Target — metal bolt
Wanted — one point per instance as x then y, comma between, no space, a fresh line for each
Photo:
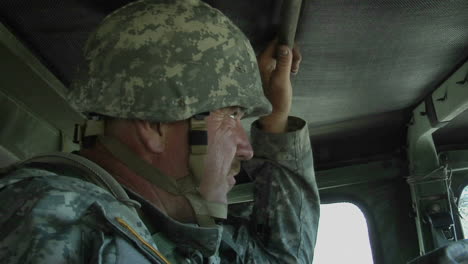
435,208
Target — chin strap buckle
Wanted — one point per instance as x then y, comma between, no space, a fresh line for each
90,128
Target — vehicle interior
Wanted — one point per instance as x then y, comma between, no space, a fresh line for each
383,86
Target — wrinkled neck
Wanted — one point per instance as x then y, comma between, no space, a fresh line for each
177,207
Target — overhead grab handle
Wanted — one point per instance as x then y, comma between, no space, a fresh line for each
290,12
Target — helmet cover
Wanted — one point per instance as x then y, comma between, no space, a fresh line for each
166,61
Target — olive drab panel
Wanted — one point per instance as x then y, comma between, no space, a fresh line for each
34,117
6,157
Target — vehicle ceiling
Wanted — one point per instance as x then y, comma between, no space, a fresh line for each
366,63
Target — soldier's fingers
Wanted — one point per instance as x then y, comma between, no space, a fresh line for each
269,53
270,49
267,62
284,61
297,58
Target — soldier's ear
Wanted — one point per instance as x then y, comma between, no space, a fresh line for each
151,136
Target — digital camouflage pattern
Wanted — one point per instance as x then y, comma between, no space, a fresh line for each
284,221
166,61
50,218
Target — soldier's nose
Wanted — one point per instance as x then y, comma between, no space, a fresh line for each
244,149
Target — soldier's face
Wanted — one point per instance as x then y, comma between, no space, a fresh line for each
228,144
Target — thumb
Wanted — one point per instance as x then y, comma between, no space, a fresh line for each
283,59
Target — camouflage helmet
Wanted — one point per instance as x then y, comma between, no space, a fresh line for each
166,60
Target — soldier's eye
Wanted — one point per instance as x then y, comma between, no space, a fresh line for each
234,115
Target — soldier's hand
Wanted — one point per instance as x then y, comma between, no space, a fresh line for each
276,64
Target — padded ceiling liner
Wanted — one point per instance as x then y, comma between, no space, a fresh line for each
364,61
368,57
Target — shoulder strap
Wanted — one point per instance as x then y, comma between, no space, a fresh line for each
93,173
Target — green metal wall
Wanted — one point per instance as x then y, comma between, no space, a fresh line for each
34,117
382,193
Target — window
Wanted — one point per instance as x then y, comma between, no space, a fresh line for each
463,208
342,235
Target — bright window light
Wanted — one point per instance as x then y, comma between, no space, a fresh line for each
463,207
342,235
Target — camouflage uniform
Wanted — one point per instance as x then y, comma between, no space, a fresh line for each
47,215
165,61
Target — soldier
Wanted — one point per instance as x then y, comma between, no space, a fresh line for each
165,85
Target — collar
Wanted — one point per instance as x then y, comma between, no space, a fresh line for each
186,236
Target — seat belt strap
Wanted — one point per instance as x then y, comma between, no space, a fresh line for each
93,173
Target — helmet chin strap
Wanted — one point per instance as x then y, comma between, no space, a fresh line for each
205,211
